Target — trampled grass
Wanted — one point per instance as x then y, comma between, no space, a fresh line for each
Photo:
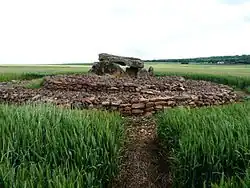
206,143
44,146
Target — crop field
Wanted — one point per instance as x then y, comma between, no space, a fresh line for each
43,68
44,146
15,72
47,146
208,143
232,70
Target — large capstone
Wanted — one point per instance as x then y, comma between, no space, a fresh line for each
124,61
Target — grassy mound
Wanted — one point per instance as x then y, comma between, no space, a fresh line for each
43,146
207,144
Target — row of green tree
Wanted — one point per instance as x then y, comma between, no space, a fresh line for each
237,59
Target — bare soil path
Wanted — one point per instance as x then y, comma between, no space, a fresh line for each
142,162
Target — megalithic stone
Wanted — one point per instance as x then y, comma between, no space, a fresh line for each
103,67
121,60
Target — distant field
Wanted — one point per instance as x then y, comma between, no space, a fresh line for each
232,70
43,68
27,72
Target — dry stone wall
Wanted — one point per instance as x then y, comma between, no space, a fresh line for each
141,96
130,96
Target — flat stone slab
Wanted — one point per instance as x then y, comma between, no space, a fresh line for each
121,60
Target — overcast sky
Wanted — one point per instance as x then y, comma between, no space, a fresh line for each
65,31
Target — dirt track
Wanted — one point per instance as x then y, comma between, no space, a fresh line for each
143,165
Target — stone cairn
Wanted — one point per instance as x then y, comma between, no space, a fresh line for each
110,64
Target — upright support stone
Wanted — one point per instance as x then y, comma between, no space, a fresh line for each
151,71
143,73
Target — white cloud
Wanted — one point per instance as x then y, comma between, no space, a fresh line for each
57,31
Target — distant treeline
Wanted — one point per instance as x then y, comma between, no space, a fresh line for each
238,59
78,63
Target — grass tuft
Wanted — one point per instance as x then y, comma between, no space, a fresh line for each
35,83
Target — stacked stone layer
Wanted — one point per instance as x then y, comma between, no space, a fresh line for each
130,96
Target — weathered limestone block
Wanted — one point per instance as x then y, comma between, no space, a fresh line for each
137,111
156,99
143,100
149,109
143,73
105,103
125,105
124,61
151,71
138,105
104,67
158,107
116,103
161,103
127,108
150,104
